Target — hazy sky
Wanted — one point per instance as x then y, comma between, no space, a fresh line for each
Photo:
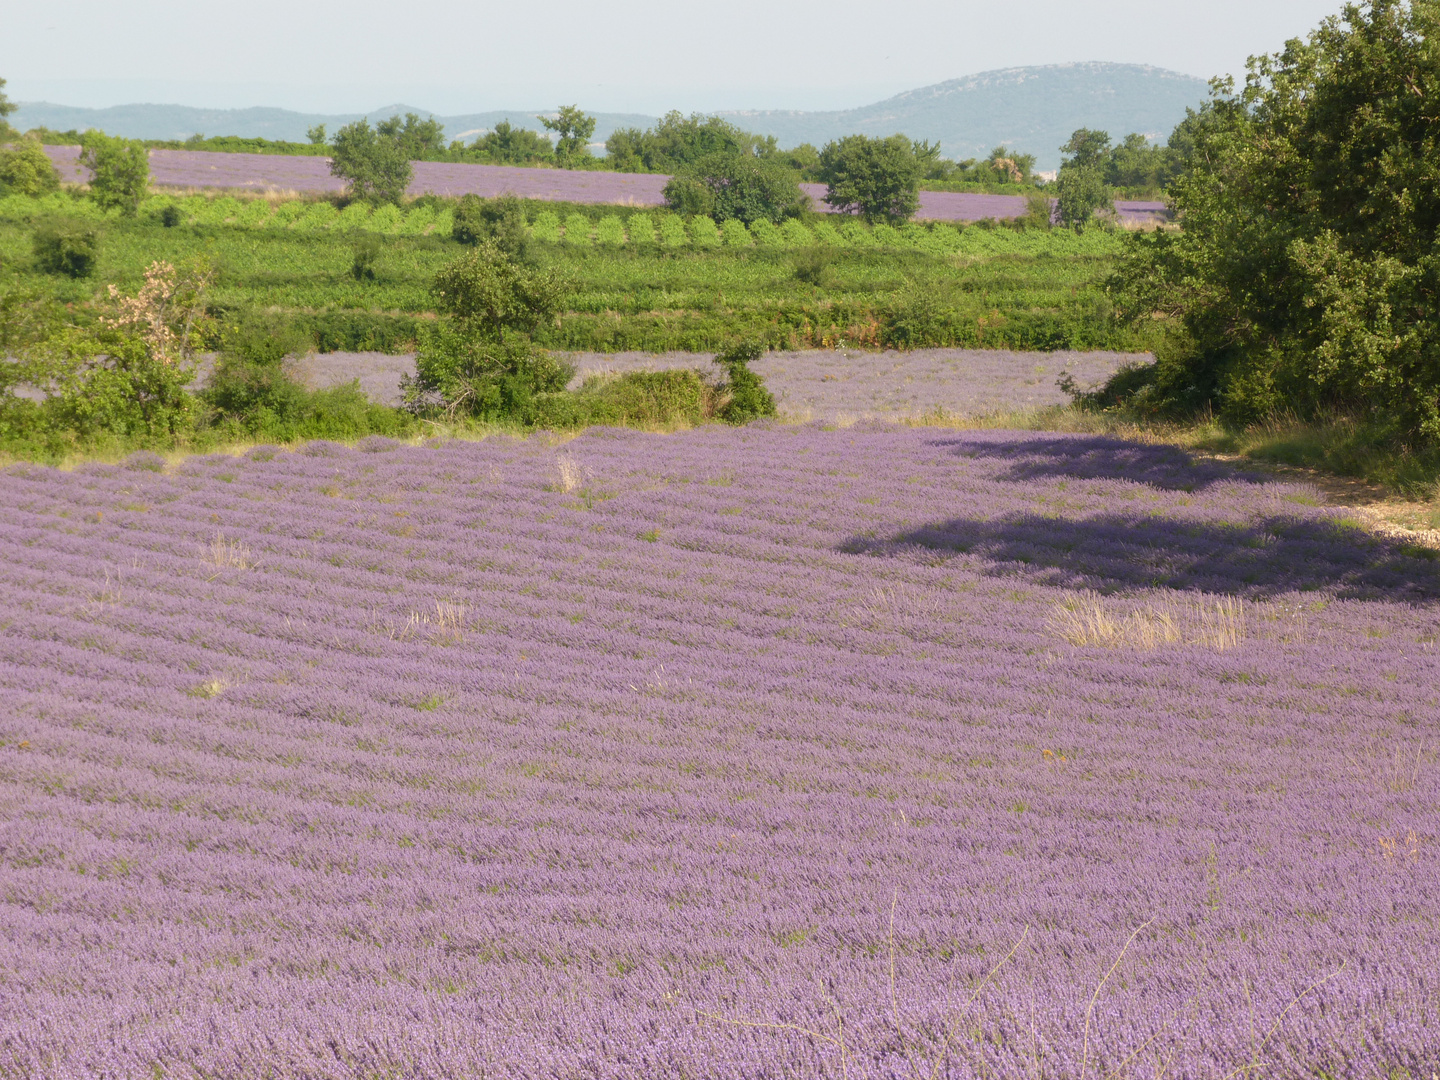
625,55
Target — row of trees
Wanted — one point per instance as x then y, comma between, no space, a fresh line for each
376,162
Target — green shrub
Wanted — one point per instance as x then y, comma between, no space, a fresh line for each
672,231
360,331
486,378
767,235
546,226
501,221
110,386
387,219
609,231
915,320
251,396
320,215
734,234
263,338
703,233
637,399
577,230
747,397
355,216
66,247
653,397
689,196
814,266
365,255
641,229
795,234
259,401
25,169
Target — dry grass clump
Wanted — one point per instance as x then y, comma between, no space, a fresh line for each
210,688
1394,769
1397,849
229,554
568,475
1213,623
444,626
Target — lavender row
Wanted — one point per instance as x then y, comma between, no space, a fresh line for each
619,756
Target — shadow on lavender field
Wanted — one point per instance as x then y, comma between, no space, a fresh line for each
1191,548
1098,457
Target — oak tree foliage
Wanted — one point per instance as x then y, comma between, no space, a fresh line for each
877,178
120,171
374,164
1306,275
478,359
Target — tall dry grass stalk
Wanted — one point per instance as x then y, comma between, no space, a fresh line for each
1217,623
229,554
569,474
444,626
1394,769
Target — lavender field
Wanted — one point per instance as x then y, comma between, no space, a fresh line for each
777,752
275,172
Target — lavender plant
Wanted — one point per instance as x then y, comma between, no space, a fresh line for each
737,753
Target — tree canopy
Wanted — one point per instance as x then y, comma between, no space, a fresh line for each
120,171
572,134
26,169
730,185
678,141
418,139
876,178
479,359
1306,274
507,145
1080,187
373,163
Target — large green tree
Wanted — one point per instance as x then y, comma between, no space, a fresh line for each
1080,187
572,134
677,142
375,165
25,168
1306,273
879,179
419,139
478,359
736,185
120,171
507,145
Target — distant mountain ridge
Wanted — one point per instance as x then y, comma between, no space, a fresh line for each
1031,109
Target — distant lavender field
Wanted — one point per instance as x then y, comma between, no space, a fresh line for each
736,754
266,172
812,384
